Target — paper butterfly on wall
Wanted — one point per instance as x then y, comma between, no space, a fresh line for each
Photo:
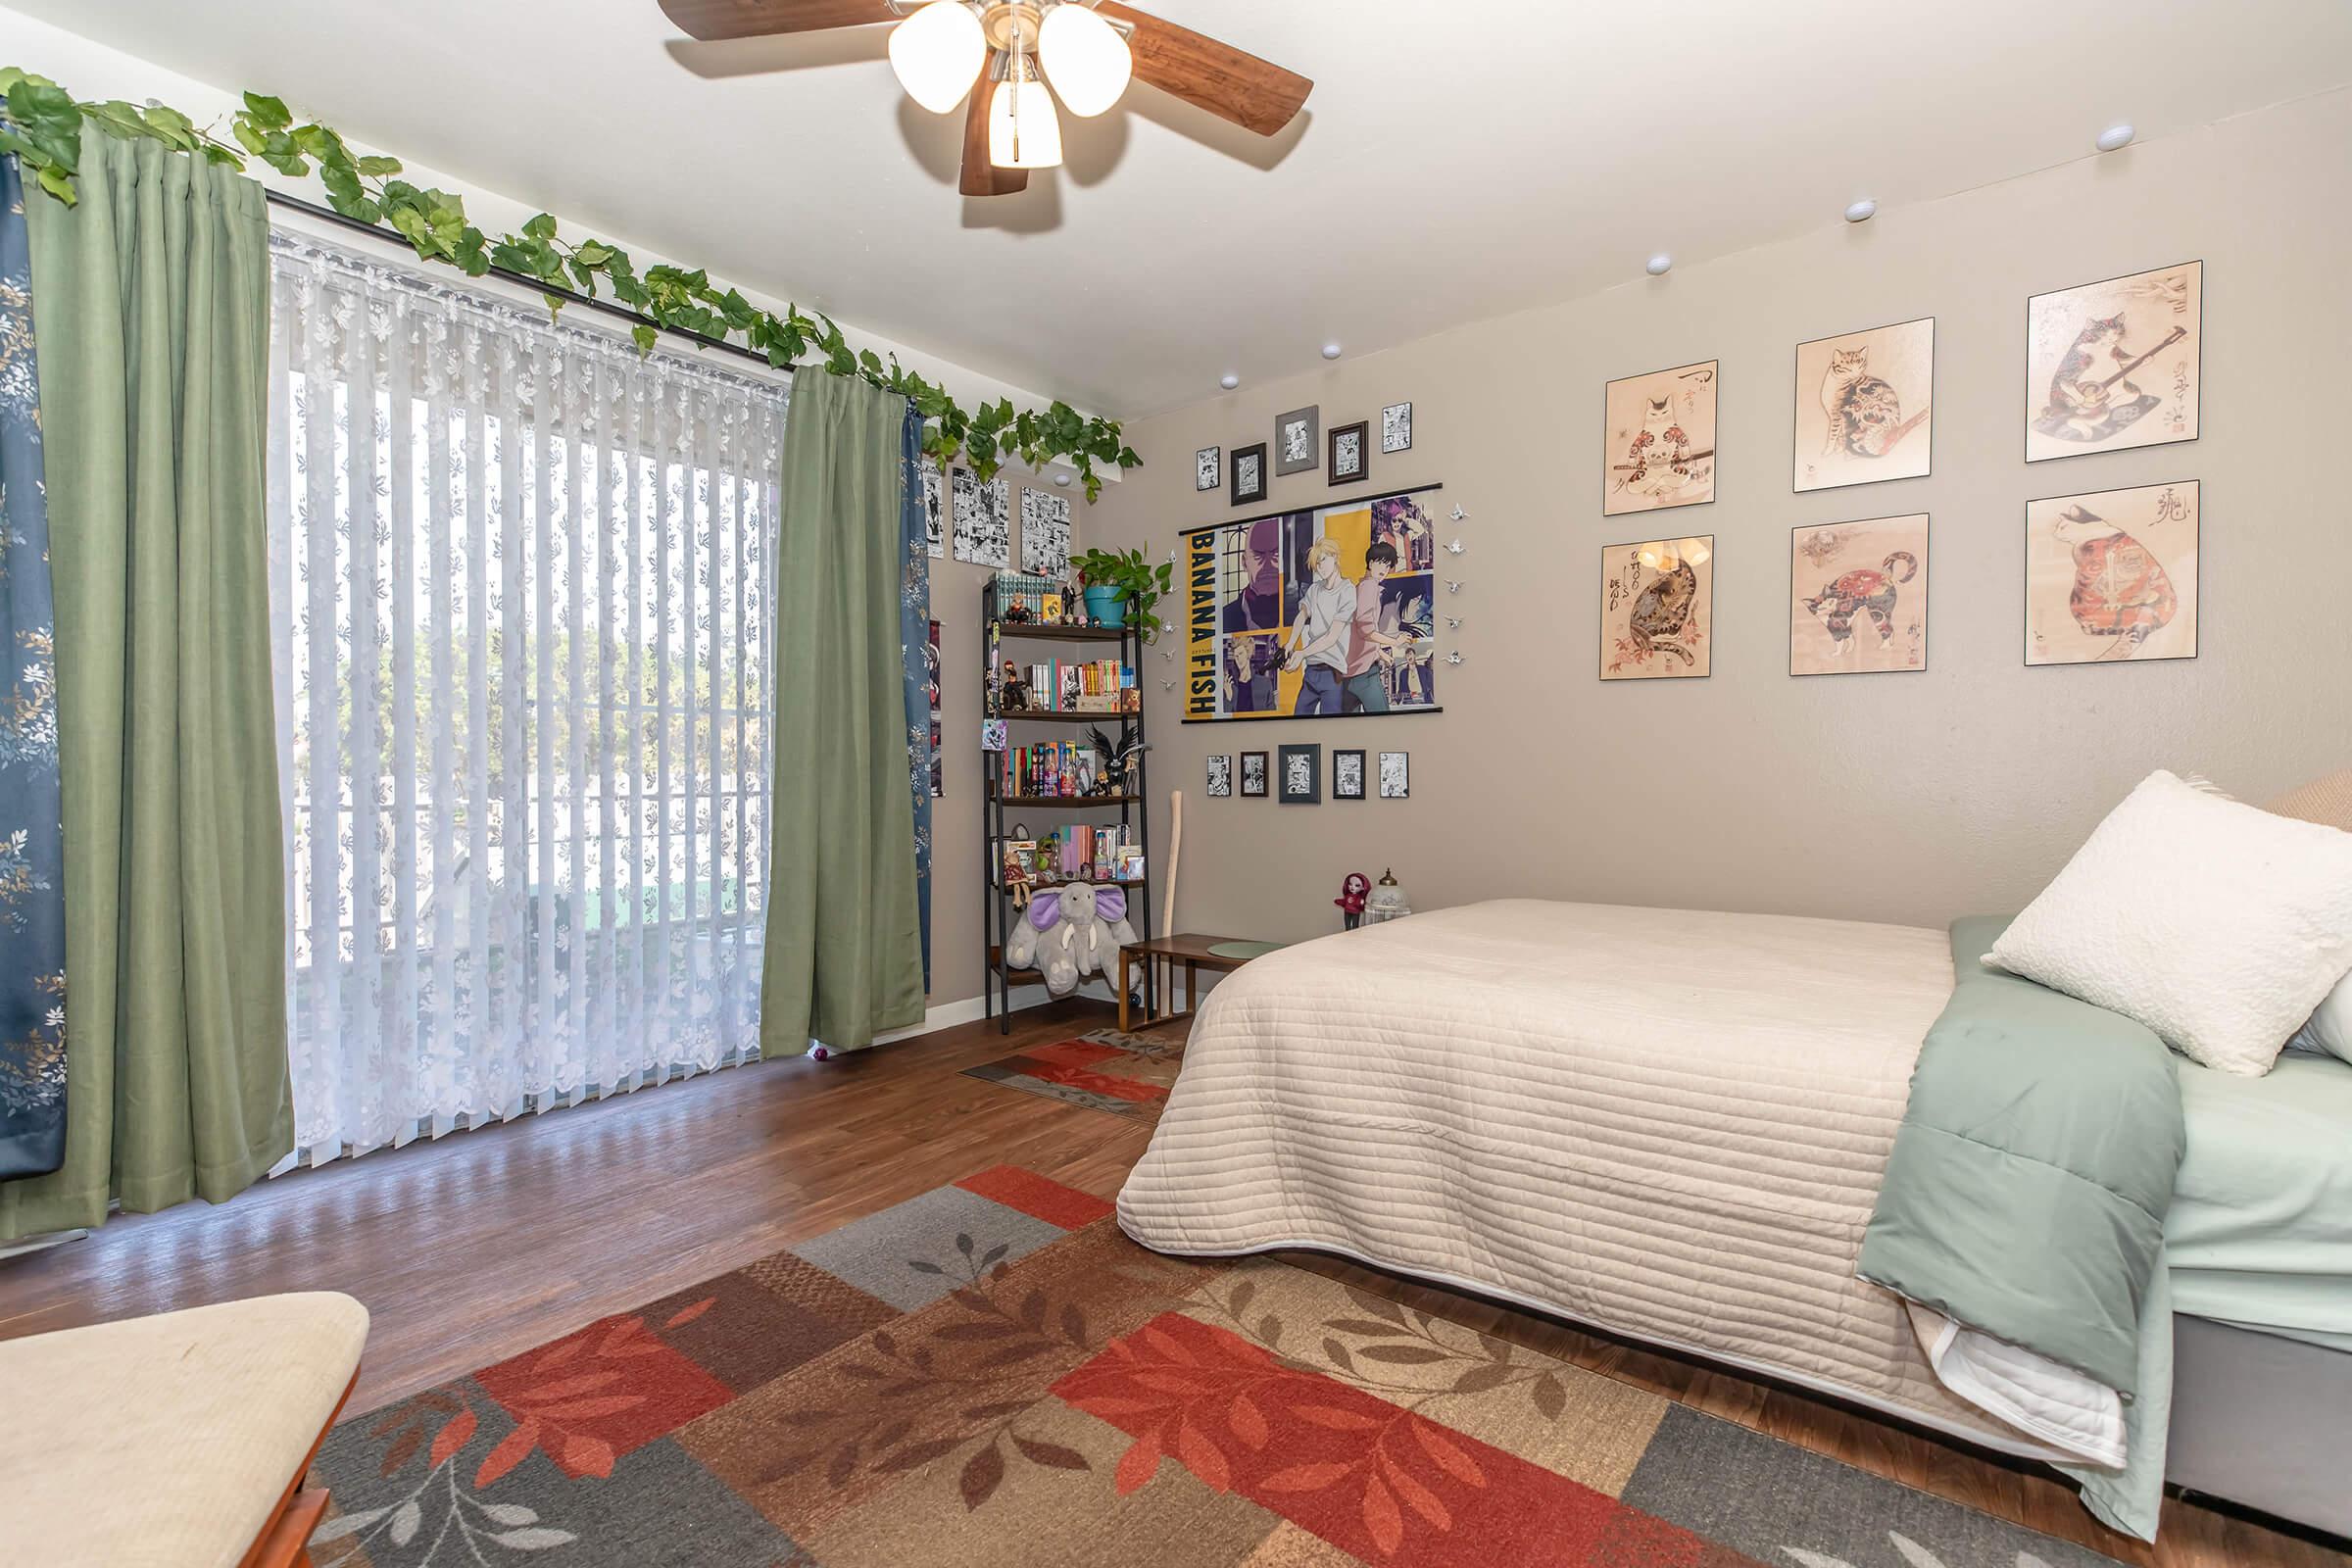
1453,622
1453,587
1456,548
1455,657
1460,516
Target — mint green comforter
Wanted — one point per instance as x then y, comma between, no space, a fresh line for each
2026,1193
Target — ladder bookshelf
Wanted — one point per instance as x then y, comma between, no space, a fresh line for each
1132,809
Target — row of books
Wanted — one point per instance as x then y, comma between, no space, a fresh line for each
1061,770
1031,592
1070,686
1075,853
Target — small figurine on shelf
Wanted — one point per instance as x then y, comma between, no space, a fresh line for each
1017,883
1016,613
1353,894
1013,696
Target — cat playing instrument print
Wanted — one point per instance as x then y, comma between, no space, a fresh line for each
2115,365
2112,576
1859,598
1863,406
1659,450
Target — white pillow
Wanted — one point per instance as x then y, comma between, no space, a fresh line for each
2218,925
2330,1028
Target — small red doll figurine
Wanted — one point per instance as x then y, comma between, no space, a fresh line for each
1353,892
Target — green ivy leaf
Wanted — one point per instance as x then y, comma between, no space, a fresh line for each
646,338
271,114
541,227
58,183
375,166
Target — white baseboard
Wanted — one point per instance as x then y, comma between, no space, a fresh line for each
971,1009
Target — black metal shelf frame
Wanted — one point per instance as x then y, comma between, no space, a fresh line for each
1134,806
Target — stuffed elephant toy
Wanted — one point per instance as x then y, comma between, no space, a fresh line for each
1070,932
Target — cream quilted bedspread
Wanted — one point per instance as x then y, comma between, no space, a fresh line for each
1670,1125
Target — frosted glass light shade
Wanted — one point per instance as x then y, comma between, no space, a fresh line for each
1023,129
1088,64
937,53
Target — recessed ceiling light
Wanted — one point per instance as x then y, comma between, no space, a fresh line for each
1332,351
1661,265
1862,212
1230,382
2115,138
1062,480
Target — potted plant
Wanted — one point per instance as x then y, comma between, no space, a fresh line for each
1121,586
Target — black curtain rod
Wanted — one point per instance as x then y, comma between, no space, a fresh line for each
569,297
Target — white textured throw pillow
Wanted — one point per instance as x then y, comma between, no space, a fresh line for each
2218,925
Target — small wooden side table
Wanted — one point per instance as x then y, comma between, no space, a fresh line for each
1164,954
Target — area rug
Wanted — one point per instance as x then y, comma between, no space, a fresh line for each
991,1374
1125,1074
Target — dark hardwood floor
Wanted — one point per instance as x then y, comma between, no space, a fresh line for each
484,1244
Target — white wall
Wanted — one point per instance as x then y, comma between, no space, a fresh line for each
1912,798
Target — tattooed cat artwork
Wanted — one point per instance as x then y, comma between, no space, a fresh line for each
1864,413
1658,463
2121,589
1661,614
2092,396
1863,591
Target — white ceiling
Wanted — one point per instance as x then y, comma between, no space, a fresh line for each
1457,160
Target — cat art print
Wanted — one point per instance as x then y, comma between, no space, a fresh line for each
1658,610
1864,405
1658,449
2112,577
1859,598
2116,364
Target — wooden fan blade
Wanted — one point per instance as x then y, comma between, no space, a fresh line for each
711,20
980,176
1216,77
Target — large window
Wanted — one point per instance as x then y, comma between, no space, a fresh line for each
519,585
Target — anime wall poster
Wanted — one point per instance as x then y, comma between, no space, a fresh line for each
2113,575
939,776
2115,365
1319,614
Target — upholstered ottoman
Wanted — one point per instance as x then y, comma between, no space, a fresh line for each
174,1442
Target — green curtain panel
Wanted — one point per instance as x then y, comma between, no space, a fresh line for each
845,956
151,302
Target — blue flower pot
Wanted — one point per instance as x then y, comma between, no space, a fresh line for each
1105,605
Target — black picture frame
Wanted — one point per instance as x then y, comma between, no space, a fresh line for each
1208,469
1219,786
1311,754
1257,775
1361,429
1397,429
1339,777
1404,775
1238,460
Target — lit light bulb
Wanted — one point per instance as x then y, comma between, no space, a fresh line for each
1088,64
937,53
1659,556
1696,551
1024,132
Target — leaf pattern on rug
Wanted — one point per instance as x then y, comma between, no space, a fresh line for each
440,1424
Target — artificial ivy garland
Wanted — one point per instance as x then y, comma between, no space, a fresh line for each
43,129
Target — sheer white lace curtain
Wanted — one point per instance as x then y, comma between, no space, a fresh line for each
519,610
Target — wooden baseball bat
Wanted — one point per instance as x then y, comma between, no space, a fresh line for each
1167,900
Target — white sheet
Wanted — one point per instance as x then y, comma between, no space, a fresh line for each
1668,1124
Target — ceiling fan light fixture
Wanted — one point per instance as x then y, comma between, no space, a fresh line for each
1024,130
1089,63
937,53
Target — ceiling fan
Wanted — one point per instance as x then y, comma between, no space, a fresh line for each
1003,55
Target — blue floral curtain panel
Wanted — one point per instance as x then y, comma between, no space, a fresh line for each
33,900
915,636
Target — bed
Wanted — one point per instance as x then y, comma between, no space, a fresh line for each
1672,1125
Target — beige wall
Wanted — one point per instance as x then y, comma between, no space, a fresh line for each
1913,798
